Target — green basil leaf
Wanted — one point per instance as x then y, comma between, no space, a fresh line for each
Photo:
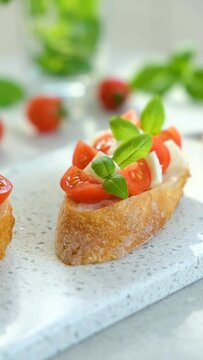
154,78
122,129
10,92
117,186
153,116
180,62
104,167
194,84
133,150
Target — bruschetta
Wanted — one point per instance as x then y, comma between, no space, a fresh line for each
121,189
6,216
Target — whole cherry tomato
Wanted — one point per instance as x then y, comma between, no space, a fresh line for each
113,93
45,113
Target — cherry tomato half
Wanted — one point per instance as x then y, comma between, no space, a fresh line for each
103,142
132,116
83,154
171,134
162,152
5,188
81,187
138,177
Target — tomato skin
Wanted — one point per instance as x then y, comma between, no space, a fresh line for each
83,154
171,134
162,152
1,130
5,189
131,116
112,93
82,188
45,113
138,177
103,142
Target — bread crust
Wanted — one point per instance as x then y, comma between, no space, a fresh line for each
6,226
109,233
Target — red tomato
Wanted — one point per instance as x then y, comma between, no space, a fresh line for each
132,116
81,187
83,154
162,152
138,177
103,142
171,134
45,113
1,130
113,93
5,188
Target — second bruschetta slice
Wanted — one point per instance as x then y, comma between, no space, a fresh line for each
6,216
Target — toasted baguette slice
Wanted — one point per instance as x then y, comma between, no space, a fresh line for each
87,235
7,222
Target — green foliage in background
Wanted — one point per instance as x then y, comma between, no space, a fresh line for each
153,78
4,1
11,92
67,33
179,68
194,84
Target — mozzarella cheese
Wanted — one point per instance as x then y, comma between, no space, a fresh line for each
113,148
155,169
178,160
89,170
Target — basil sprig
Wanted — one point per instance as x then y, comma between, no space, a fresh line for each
194,84
133,150
123,130
114,184
104,167
153,116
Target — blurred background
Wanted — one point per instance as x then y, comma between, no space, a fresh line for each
141,25
64,49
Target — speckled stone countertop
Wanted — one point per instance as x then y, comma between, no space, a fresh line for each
169,329
46,306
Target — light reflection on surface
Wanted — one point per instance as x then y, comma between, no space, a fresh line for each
197,249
